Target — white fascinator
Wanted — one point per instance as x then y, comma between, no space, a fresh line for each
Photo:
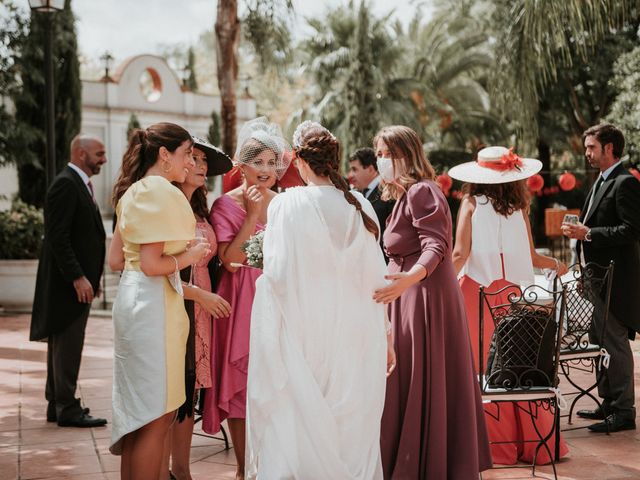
258,135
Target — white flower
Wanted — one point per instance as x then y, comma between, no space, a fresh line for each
253,249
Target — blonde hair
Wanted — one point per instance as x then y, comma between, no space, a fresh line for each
409,161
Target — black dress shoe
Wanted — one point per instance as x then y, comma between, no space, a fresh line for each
83,421
616,422
597,414
53,417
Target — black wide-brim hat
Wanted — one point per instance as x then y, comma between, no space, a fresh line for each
218,162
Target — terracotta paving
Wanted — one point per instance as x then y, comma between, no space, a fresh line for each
31,448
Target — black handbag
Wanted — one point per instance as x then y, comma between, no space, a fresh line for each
521,352
215,268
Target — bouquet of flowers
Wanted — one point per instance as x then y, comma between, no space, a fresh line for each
253,249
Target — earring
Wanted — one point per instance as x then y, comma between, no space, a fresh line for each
166,166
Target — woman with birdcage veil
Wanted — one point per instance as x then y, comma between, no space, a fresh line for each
235,217
319,344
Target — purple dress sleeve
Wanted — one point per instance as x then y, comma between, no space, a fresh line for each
430,218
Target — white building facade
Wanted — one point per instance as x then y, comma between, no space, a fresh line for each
146,86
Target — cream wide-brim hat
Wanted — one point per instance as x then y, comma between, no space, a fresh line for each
490,168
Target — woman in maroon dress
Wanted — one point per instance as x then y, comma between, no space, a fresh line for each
433,424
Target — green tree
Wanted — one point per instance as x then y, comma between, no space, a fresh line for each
31,97
214,129
535,39
327,55
450,57
227,29
362,114
13,30
190,74
625,110
133,124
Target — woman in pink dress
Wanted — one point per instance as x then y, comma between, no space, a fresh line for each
209,161
494,248
432,425
236,216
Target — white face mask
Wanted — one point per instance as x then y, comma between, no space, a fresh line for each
385,168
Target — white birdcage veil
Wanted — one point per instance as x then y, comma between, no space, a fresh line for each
257,135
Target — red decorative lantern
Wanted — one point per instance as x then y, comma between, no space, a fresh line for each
445,182
567,181
535,183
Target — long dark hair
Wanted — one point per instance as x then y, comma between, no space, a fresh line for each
506,198
321,151
199,202
142,153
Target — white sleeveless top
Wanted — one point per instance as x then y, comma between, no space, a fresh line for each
493,234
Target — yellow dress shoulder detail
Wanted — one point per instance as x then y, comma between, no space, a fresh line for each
153,210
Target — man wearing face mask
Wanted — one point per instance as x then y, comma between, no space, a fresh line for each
363,171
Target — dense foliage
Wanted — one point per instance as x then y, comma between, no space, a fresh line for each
21,231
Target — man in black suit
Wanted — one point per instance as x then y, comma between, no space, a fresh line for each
363,171
609,229
69,273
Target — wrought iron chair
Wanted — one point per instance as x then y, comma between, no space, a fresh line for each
582,346
522,366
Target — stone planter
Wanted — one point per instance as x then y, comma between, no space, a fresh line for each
17,283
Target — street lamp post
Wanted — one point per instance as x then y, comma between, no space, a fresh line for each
48,7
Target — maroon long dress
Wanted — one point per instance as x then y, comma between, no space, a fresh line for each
433,423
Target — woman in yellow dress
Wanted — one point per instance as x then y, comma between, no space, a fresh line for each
155,225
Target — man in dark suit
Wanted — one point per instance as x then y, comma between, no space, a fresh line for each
69,273
363,171
609,229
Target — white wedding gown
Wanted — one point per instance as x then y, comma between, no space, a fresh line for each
317,360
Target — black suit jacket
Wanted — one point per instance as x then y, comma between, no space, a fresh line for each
73,247
383,208
614,219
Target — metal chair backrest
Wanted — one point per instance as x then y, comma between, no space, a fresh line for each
588,296
525,345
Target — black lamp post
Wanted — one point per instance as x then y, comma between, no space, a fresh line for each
47,8
107,58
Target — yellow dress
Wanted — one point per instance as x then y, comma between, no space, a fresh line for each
150,322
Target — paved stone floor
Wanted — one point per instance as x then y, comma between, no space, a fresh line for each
31,448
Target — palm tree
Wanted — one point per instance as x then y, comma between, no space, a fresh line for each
429,76
328,56
450,57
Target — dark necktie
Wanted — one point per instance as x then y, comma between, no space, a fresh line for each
596,187
90,185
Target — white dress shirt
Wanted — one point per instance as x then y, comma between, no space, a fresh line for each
83,176
372,186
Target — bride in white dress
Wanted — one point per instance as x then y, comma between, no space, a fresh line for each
319,347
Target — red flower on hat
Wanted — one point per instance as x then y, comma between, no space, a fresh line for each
511,160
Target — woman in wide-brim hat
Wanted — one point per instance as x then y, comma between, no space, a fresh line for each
494,248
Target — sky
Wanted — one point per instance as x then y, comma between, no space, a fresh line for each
130,27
